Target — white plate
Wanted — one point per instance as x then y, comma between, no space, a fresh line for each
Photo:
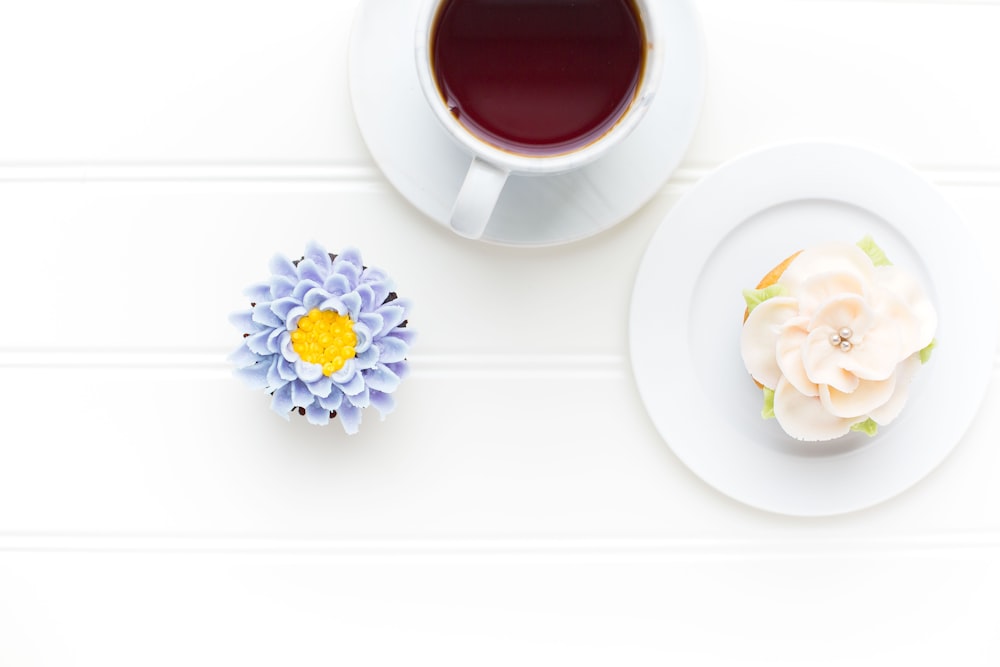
687,312
427,167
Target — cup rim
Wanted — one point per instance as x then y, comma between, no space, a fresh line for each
542,164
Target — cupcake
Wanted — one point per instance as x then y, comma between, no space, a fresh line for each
325,336
833,336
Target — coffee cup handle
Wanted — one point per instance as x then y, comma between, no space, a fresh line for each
477,198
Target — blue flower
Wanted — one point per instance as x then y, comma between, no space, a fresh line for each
325,336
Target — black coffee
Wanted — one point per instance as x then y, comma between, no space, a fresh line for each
538,77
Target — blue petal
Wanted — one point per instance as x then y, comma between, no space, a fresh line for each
309,271
282,266
321,387
301,396
314,298
258,342
345,373
281,401
243,320
258,292
352,256
381,379
380,283
307,371
292,320
392,314
243,357
400,368
384,403
331,402
350,418
367,358
285,347
337,284
319,256
359,400
286,369
274,378
364,336
281,307
303,287
392,348
355,385
367,295
353,302
349,271
263,315
274,340
254,376
281,286
373,274
334,303
381,290
373,321
317,414
405,334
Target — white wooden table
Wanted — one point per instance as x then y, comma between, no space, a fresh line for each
518,507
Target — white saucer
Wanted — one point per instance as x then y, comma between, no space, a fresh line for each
427,167
687,313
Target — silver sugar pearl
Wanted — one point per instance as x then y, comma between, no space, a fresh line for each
835,340
846,333
845,346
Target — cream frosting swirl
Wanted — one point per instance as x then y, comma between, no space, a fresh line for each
838,341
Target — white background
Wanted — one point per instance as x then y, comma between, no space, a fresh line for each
518,507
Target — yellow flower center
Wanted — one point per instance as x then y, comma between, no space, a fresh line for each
325,337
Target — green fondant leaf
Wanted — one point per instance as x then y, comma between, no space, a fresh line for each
925,354
755,297
868,426
875,253
768,411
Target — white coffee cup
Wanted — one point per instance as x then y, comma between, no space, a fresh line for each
492,164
